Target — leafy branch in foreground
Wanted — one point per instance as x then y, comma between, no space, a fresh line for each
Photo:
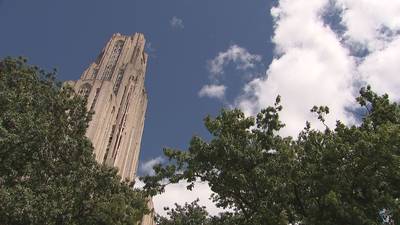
346,175
48,174
194,214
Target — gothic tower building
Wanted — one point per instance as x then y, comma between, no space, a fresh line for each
114,87
115,92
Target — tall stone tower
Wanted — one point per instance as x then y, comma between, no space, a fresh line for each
114,87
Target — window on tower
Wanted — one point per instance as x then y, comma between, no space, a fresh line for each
118,81
109,70
94,74
95,100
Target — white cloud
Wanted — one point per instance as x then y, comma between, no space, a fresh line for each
369,21
376,25
138,183
315,66
177,193
311,68
177,23
213,91
146,168
381,69
239,56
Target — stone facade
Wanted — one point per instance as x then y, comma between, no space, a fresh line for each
114,87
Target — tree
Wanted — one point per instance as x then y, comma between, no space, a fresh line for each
189,214
194,214
48,174
346,175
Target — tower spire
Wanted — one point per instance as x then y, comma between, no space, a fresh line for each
114,87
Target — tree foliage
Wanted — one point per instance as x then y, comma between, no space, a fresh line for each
194,214
346,175
189,214
48,174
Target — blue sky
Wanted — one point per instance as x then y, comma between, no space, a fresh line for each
68,35
209,54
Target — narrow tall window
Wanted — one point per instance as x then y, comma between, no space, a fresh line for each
95,99
109,144
94,74
109,70
118,81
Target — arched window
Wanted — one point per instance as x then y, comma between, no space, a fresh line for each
113,60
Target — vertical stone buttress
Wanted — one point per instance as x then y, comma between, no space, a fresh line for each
114,87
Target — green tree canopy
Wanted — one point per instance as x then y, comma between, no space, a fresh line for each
189,214
347,175
48,174
194,214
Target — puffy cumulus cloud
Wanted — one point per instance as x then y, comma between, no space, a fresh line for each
176,23
381,69
213,91
241,58
312,68
371,23
235,55
177,193
376,26
146,168
316,65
